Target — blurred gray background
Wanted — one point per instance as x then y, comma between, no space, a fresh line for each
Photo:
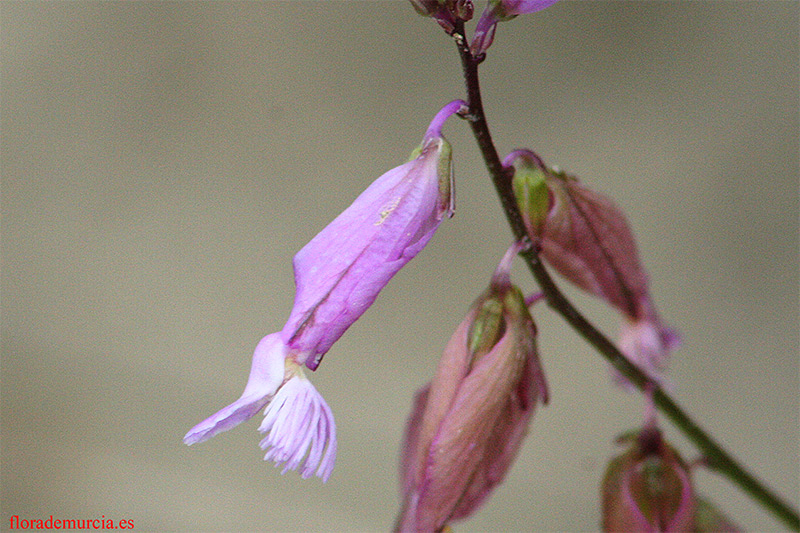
163,161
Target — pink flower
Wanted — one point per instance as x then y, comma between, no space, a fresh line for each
467,425
338,276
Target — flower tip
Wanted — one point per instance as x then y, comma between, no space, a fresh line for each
300,430
266,375
191,438
671,339
226,418
200,433
648,345
508,9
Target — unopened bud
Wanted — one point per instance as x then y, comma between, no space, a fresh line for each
437,10
462,9
467,425
586,238
427,8
648,488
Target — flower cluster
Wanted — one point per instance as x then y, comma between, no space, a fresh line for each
338,275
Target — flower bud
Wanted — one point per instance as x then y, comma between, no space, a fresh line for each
467,425
648,487
462,9
587,239
426,8
438,10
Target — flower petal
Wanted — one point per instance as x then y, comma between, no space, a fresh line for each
266,375
298,426
340,272
647,345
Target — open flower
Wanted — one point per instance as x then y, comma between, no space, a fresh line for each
299,426
340,272
587,239
338,276
467,425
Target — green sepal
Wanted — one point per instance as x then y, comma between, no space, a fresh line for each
532,194
444,170
488,326
498,310
445,173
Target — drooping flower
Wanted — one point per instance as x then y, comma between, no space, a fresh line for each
340,272
468,423
299,426
338,276
648,488
500,11
586,238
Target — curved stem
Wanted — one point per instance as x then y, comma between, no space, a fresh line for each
717,458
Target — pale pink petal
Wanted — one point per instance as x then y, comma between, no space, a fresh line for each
299,425
266,375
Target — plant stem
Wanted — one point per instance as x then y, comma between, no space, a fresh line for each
717,458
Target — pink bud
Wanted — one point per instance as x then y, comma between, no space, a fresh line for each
648,488
462,9
439,10
467,425
587,239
